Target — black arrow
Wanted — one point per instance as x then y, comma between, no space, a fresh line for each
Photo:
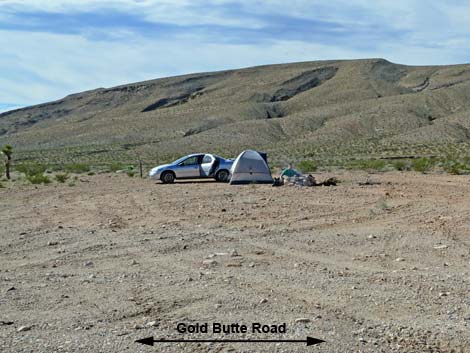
310,341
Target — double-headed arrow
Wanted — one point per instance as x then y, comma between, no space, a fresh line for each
310,341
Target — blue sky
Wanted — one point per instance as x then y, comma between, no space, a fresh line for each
51,48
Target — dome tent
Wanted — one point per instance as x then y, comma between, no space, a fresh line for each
250,167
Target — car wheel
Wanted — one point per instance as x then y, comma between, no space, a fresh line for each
167,177
222,176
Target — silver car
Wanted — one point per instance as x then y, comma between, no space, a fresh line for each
193,166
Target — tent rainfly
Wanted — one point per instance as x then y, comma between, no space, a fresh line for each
250,167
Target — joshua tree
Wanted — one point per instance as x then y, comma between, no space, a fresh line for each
7,151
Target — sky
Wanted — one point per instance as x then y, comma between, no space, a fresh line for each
52,48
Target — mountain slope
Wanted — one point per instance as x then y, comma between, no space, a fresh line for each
325,109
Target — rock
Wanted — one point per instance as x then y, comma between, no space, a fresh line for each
138,327
217,306
302,320
444,294
399,259
371,237
209,263
152,324
91,276
24,328
264,300
123,333
439,247
134,262
251,264
52,243
88,263
234,253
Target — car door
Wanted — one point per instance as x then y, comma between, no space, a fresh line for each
207,165
189,168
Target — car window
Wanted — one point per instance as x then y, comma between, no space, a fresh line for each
207,159
190,161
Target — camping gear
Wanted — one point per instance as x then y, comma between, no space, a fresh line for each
330,182
278,182
310,180
250,168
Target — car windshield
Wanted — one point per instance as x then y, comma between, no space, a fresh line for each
178,161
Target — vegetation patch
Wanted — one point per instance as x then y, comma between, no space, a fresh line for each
401,165
116,166
31,169
130,171
455,167
77,168
61,177
369,164
422,165
307,166
38,179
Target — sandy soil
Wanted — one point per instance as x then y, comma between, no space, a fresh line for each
378,268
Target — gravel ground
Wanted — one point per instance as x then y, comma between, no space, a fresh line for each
375,268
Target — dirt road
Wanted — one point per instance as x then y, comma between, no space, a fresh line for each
375,268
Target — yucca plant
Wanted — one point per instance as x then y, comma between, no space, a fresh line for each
7,151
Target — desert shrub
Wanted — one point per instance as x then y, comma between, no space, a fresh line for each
306,166
455,167
61,177
370,164
54,168
38,179
400,165
77,168
422,164
73,181
31,169
130,171
116,166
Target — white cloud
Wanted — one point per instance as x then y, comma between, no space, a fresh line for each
54,65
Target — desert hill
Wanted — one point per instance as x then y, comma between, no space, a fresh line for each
321,110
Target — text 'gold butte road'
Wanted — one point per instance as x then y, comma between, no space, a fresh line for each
232,328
